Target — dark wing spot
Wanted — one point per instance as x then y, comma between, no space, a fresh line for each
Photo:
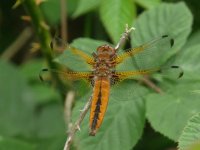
164,36
171,42
181,74
174,66
40,74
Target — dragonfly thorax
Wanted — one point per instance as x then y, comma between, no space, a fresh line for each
104,61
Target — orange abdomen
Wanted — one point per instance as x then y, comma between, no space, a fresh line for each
99,104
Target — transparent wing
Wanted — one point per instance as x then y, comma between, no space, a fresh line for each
175,71
150,55
64,75
72,57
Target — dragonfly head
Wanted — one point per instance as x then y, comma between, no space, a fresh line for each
106,50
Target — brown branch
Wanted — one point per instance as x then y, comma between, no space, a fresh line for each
17,44
63,20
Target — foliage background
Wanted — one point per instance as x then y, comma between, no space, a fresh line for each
32,114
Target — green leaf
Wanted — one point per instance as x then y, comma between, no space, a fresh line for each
85,6
71,6
53,17
52,9
45,94
115,14
15,144
17,103
188,59
148,3
174,20
30,70
193,40
50,121
123,123
168,113
53,143
190,137
75,62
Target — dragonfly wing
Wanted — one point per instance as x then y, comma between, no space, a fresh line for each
149,55
69,56
65,75
121,75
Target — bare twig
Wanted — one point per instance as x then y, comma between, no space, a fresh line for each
63,20
17,44
68,108
76,126
124,36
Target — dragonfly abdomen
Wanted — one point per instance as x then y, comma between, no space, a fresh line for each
99,104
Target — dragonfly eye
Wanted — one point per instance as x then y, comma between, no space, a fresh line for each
105,49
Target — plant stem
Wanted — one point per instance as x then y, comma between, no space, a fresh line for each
41,28
42,31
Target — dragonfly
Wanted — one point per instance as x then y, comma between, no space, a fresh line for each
104,73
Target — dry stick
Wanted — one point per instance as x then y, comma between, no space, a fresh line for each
76,126
124,37
68,107
63,20
17,44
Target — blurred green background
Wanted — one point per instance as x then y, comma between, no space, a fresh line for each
32,113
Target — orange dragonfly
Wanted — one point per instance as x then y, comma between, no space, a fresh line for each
104,74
